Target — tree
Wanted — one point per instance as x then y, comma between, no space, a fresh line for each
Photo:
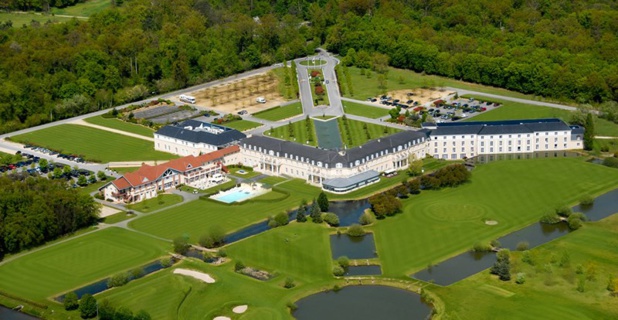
356,230
123,313
92,179
88,306
502,266
282,219
43,164
415,167
82,181
181,245
142,315
101,176
331,218
71,301
316,213
106,310
213,238
589,133
323,201
289,283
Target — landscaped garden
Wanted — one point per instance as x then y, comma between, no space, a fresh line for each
94,144
280,112
355,133
364,110
318,89
159,202
300,131
241,125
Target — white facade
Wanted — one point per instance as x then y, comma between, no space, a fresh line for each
181,147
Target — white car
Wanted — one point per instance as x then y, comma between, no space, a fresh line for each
261,100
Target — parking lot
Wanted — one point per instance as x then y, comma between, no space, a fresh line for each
459,109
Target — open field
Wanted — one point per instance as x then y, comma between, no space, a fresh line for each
20,19
438,224
298,133
281,112
361,132
547,294
242,125
196,217
94,144
79,261
84,9
364,110
514,110
121,125
169,296
365,87
123,170
158,203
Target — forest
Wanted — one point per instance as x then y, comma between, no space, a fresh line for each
35,210
563,50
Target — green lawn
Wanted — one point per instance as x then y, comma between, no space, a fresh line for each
169,296
281,112
242,125
361,132
514,111
94,144
158,203
246,175
546,295
123,170
117,217
84,9
368,87
364,110
272,180
195,218
20,19
438,224
121,125
299,133
79,261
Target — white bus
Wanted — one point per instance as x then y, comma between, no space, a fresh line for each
186,98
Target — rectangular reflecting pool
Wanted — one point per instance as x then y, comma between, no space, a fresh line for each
353,247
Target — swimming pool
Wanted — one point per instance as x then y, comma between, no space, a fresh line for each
240,194
235,196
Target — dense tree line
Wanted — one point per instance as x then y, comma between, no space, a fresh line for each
37,5
449,176
559,49
36,210
123,54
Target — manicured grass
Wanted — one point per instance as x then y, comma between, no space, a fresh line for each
212,190
79,261
20,19
117,217
123,170
94,144
281,112
121,125
361,132
196,217
368,87
546,295
437,224
282,251
242,125
273,180
610,144
364,110
515,111
158,203
84,9
246,175
298,134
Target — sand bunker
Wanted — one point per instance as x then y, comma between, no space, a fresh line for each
240,309
491,222
222,318
195,274
107,211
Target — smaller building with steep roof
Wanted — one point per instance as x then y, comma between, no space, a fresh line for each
198,172
193,137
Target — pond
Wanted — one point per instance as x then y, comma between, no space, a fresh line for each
363,271
363,302
353,247
470,263
349,212
9,314
101,285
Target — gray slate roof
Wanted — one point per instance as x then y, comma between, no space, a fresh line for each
346,182
500,127
179,131
332,157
